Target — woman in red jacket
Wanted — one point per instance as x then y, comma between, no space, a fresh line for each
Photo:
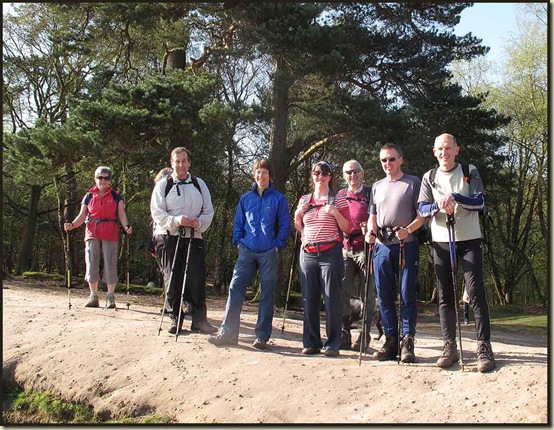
101,208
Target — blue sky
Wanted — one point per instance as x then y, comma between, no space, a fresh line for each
491,22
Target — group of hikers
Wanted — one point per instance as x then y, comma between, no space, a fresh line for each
357,232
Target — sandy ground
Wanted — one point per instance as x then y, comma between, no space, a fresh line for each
116,361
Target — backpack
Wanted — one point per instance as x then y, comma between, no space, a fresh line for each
356,199
168,186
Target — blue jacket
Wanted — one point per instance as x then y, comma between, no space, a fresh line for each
262,222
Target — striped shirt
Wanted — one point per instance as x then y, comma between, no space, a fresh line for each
319,226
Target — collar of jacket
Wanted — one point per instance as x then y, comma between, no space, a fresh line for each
254,188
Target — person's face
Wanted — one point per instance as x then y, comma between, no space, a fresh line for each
353,175
261,176
181,164
103,181
445,151
391,161
320,178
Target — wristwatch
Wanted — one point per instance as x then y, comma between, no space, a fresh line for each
409,230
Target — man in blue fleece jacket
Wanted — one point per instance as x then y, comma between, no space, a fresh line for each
262,227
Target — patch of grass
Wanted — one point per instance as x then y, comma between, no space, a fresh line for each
43,276
43,407
520,318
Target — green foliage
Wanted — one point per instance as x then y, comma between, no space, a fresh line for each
45,407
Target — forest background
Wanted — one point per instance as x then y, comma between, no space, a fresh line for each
122,84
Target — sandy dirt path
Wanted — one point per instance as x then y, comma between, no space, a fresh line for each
116,361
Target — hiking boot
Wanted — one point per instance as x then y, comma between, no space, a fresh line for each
356,345
222,340
345,339
389,349
485,357
203,327
330,352
110,301
449,354
260,343
407,354
92,301
173,327
311,351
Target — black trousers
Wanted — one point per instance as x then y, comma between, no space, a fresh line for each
470,253
195,287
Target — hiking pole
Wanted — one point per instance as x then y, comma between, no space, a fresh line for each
452,248
292,264
184,283
400,270
128,267
170,279
67,269
368,274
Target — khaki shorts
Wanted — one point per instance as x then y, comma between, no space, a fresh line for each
108,249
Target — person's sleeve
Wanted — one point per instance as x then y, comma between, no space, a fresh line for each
238,225
372,207
476,200
158,208
283,219
344,209
470,203
207,215
426,205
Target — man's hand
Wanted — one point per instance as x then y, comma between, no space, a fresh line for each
187,221
370,237
447,203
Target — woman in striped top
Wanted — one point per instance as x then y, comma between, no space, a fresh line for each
321,217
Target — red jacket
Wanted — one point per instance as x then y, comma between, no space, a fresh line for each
101,222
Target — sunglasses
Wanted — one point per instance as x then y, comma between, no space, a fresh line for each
319,172
391,159
352,172
103,178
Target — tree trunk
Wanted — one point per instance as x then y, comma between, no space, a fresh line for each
278,153
26,248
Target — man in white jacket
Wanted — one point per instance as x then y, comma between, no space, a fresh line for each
181,205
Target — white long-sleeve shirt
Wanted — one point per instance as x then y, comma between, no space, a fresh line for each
166,210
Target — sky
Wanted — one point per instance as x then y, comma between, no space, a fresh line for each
491,22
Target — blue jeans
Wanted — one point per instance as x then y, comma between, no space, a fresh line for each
385,267
267,263
319,273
